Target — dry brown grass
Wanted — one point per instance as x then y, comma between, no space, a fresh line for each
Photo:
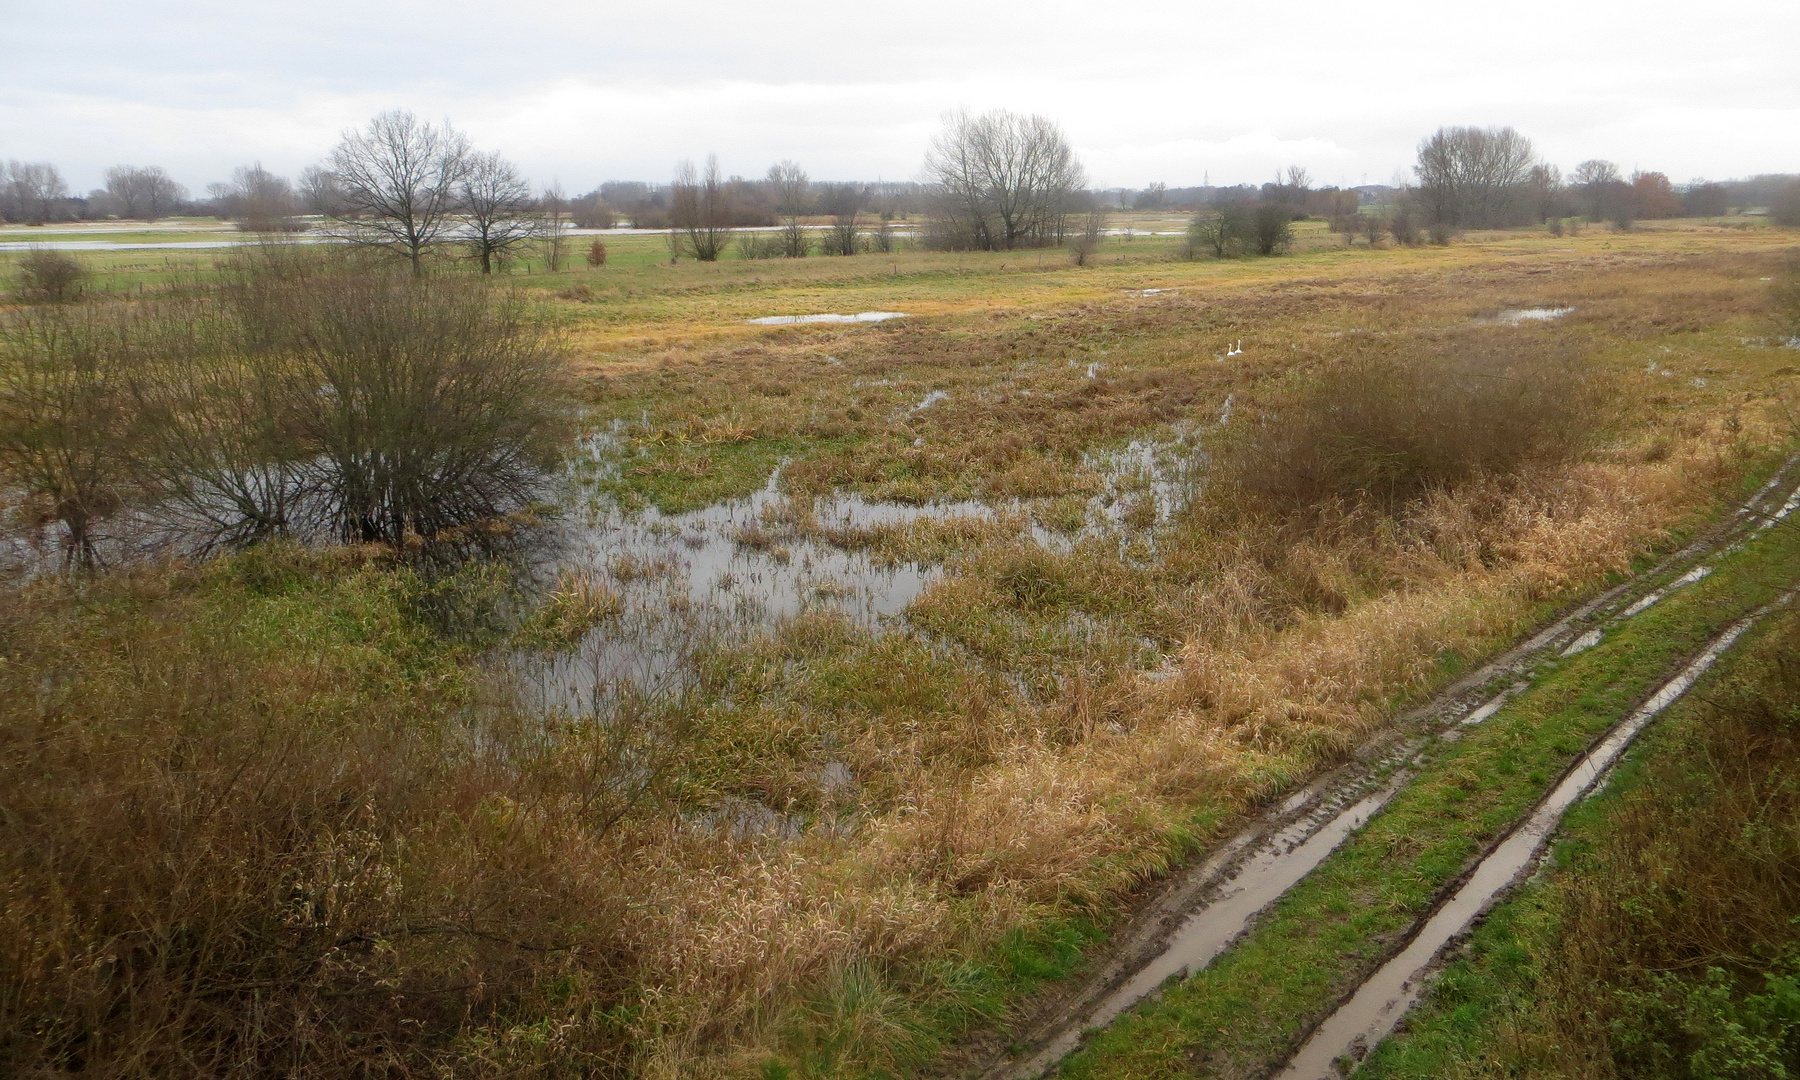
281,828
228,859
1058,821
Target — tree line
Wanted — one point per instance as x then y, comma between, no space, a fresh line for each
995,181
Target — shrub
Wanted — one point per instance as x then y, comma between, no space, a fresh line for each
1404,228
758,245
596,254
429,405
50,277
64,415
1374,227
1382,430
1272,228
1220,230
301,395
250,830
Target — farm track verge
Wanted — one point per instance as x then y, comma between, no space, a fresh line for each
1200,914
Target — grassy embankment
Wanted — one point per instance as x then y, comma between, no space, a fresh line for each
1015,776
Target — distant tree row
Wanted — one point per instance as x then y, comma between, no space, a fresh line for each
1490,177
996,181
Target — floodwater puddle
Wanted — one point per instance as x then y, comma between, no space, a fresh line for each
1148,482
679,585
692,581
1521,316
859,317
1649,599
1582,644
167,245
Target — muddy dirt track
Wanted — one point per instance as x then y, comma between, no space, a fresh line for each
1198,914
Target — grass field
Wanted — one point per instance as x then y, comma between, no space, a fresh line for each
875,835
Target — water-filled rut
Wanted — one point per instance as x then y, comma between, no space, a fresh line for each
1386,996
1207,908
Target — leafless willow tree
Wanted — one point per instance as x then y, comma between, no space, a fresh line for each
789,184
497,208
143,194
1471,176
698,209
260,201
397,183
319,192
1003,180
32,191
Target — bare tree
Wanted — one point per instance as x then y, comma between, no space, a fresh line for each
1291,186
1152,197
1003,180
496,206
1472,176
1546,184
1600,183
36,190
1374,227
397,181
553,225
788,182
144,194
844,203
260,201
1272,228
1784,210
319,192
698,209
63,415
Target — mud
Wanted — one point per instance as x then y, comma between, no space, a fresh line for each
1196,916
1378,1005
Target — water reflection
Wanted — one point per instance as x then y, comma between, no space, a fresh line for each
699,580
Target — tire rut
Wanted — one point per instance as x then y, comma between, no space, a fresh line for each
1202,911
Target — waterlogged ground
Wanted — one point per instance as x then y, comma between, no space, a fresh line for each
672,585
890,590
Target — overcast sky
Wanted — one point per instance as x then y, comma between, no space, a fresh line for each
1179,91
